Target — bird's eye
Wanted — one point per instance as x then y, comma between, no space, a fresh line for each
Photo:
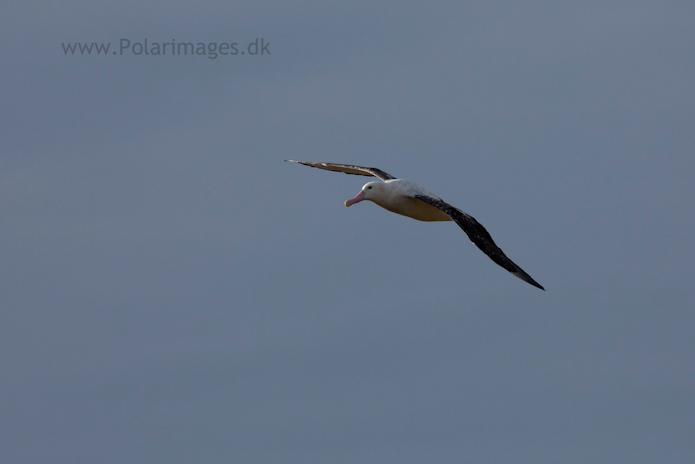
369,187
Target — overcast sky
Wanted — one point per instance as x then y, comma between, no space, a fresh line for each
173,292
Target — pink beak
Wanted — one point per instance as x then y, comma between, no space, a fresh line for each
357,199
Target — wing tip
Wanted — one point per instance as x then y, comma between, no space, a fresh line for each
528,279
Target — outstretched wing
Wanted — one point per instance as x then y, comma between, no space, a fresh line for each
478,235
347,169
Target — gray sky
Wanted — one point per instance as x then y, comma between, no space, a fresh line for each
173,292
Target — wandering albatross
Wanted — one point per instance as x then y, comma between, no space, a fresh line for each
403,197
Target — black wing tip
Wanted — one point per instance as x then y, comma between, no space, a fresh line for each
528,279
347,169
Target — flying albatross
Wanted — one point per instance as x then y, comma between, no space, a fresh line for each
403,197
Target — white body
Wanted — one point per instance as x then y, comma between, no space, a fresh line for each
396,195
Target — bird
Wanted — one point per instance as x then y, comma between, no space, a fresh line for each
406,198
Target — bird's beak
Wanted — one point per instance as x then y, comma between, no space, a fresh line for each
357,199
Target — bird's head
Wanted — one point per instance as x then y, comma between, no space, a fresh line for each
370,191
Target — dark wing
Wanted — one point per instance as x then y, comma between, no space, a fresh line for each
478,235
347,169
